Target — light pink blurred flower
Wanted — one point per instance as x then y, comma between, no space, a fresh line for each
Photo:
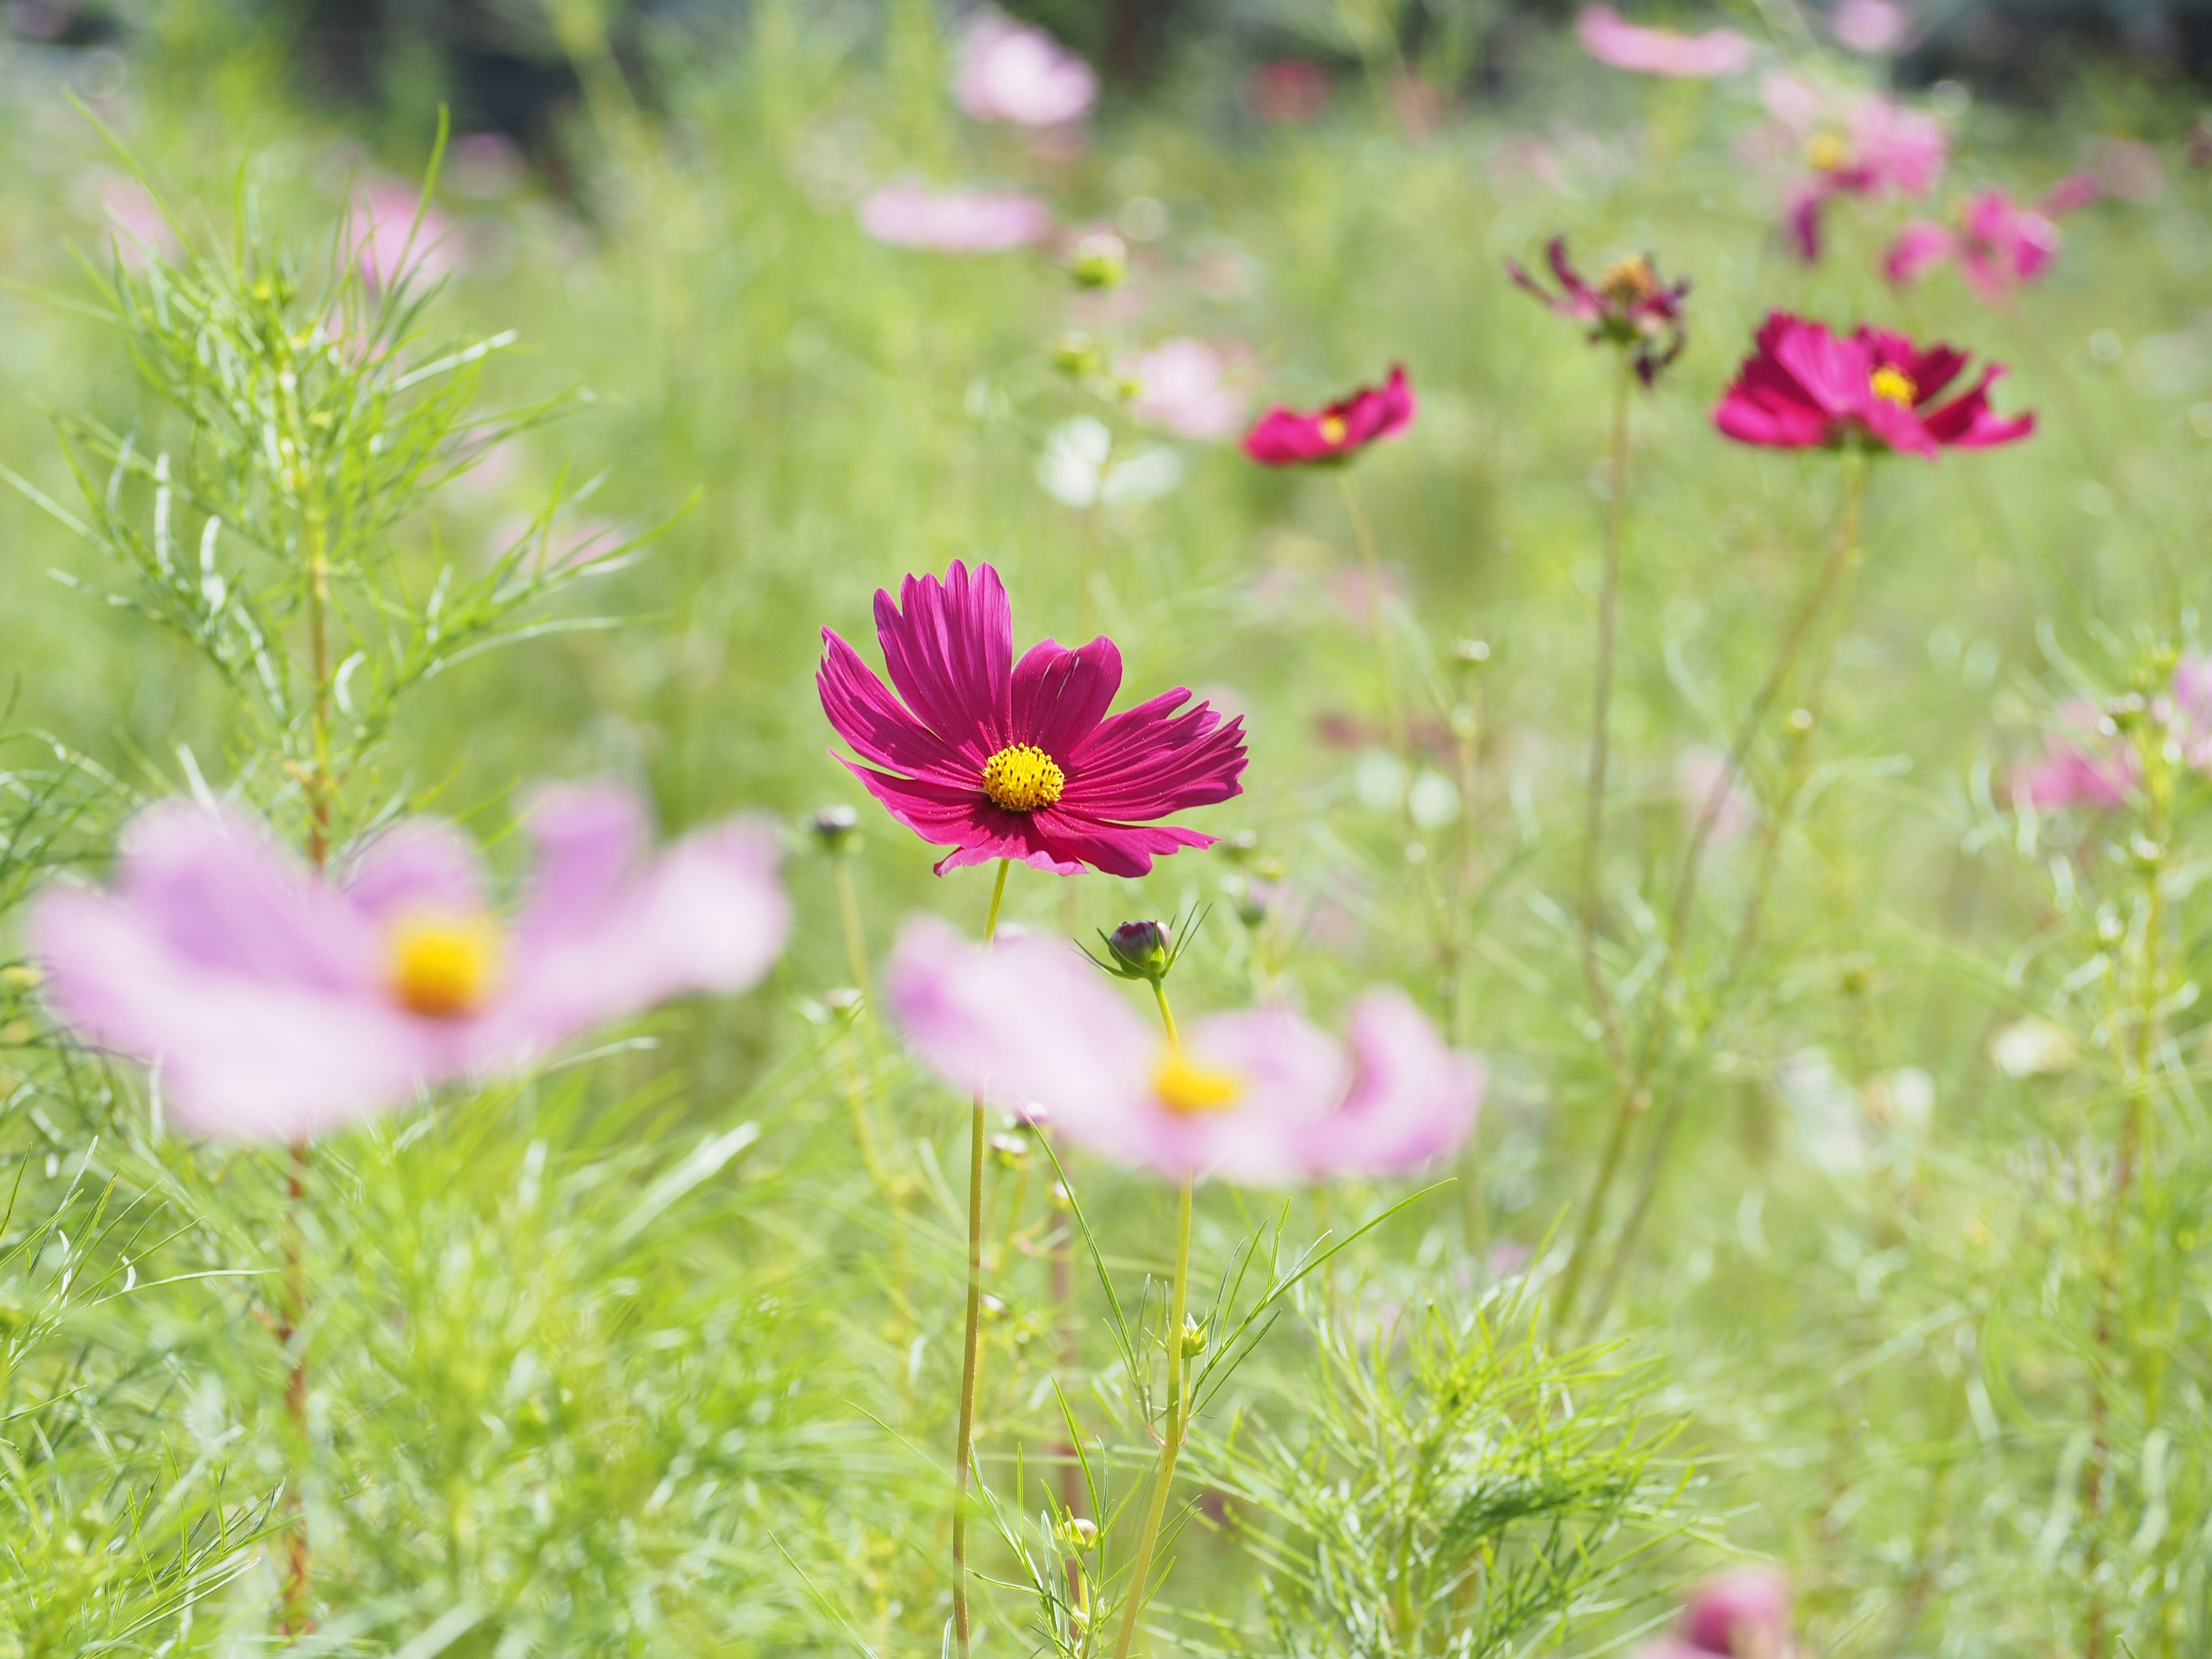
1744,1614
954,221
1016,73
1852,144
1700,775
1259,1096
2081,765
1289,91
1997,243
1877,27
1183,384
275,1004
390,245
143,234
1612,38
2188,713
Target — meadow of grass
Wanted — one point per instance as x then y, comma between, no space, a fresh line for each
655,1350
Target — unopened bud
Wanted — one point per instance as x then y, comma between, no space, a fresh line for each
1239,846
1077,358
1010,1150
1141,950
1194,1339
834,827
1799,721
1078,1535
1101,260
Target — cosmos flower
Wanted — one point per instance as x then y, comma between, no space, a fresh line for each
1806,388
389,244
1259,1096
2084,764
276,1004
1183,386
1997,243
1016,73
1286,437
1877,27
1629,307
1854,144
954,221
1000,759
1612,38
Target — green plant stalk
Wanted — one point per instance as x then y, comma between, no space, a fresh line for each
965,1446
1601,995
1171,1434
1363,536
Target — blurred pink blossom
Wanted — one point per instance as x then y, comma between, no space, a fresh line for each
954,221
2087,769
390,245
1877,27
1612,38
1016,73
1744,1614
1997,243
143,234
1183,386
1852,144
1700,776
1289,91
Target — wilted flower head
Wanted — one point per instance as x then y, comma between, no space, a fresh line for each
1000,759
1628,307
275,1004
1998,244
1852,144
1612,38
1289,437
1016,73
390,245
954,221
1260,1096
1183,386
1807,388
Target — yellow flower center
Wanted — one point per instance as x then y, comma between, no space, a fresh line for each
1022,777
442,965
1185,1088
1333,429
1893,385
1826,152
1629,283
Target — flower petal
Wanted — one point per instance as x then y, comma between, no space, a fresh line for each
1412,1101
949,646
1059,697
418,864
863,711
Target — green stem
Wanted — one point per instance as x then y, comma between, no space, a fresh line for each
1363,536
1601,731
849,915
963,1447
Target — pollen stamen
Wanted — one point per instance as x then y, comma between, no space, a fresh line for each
1188,1089
1333,429
1893,385
1022,777
1631,282
443,965
1826,152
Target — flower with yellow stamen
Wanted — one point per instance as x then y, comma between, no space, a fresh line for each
443,966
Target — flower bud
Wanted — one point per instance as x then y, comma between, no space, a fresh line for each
1240,845
1077,358
1010,1150
1141,950
834,827
1101,260
1194,1339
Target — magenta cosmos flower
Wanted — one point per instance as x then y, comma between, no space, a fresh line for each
1629,307
1289,437
1998,245
1612,38
1000,759
954,221
1259,1098
274,1003
1806,388
1017,74
1852,144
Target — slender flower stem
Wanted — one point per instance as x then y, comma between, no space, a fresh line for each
1608,596
964,1446
1363,535
1171,1434
848,916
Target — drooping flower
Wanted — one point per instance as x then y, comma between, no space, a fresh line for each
1183,384
389,242
1612,38
1998,244
276,1004
954,221
1852,144
1016,73
1000,759
1628,307
1260,1096
1807,388
1290,437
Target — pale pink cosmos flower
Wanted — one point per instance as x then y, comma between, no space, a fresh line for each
1612,38
954,221
1741,1615
1852,144
2083,765
1998,244
1016,73
142,232
276,1004
388,243
1877,27
1183,384
1258,1097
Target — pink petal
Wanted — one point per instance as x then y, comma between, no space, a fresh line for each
1060,695
863,711
1744,1613
1412,1101
1919,248
421,865
588,838
1065,841
1611,38
949,647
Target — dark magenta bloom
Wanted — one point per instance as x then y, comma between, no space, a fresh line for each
1807,388
1289,437
1000,759
1628,307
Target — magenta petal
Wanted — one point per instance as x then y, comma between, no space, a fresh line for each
949,647
1412,1100
1919,248
1744,1613
1060,695
863,711
419,866
1067,842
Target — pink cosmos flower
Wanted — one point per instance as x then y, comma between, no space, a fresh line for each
1612,38
1287,437
954,221
1806,388
1000,759
1182,384
1998,244
1629,307
390,245
1857,145
1742,1614
1259,1096
2081,764
1877,27
1016,73
275,1004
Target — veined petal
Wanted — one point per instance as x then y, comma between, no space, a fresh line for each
1060,695
1116,849
949,647
863,711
